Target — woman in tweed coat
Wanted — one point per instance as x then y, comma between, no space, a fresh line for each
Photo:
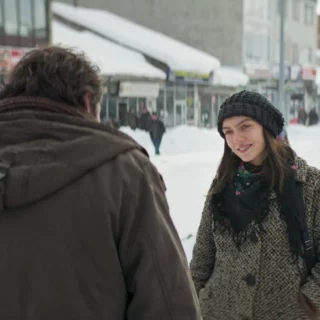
249,259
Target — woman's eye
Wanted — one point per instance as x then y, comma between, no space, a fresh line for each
227,133
246,127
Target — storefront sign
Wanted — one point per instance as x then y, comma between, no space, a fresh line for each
258,73
138,89
190,77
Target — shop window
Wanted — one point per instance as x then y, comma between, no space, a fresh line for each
26,26
160,105
168,116
11,17
112,108
40,19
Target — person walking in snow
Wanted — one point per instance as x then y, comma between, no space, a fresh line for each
132,119
257,251
157,130
313,117
145,119
85,225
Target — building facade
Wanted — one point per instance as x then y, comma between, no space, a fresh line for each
24,24
300,53
240,33
214,27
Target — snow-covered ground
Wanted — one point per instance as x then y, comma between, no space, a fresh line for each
189,160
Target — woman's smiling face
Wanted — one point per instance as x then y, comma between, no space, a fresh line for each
245,138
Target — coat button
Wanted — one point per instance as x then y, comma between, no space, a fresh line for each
253,237
250,279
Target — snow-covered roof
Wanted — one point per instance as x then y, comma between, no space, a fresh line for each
111,58
177,55
230,77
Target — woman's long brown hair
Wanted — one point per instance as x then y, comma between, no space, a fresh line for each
276,167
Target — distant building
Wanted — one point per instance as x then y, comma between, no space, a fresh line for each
24,24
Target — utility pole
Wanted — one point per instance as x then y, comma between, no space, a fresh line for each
75,3
282,104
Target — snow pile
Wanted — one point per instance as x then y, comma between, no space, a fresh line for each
306,142
112,59
177,55
179,140
230,77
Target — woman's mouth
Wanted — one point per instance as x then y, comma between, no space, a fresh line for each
244,149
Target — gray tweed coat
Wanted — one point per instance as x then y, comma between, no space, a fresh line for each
260,282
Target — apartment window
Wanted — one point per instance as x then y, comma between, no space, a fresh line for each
40,19
11,17
310,55
295,53
257,47
295,9
267,11
312,14
306,14
26,24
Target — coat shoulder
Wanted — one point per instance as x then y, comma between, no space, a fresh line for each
305,173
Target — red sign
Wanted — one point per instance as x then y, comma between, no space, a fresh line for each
16,55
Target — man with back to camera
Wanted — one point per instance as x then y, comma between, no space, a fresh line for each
85,229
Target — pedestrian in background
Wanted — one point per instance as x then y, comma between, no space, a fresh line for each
85,226
156,130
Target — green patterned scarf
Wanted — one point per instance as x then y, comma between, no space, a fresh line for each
245,177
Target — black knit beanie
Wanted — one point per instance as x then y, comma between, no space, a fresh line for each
255,106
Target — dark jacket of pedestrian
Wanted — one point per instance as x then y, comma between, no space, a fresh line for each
132,120
145,120
157,129
313,117
302,116
249,257
85,226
